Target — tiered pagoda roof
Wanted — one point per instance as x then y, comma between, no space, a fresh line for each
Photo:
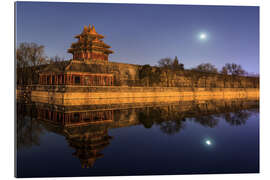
90,46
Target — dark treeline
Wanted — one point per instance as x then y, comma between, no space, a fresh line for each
171,73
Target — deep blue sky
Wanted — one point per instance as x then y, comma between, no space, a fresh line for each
143,34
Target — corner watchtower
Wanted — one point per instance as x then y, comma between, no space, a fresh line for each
90,46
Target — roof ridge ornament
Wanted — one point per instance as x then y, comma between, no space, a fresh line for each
93,29
89,28
85,29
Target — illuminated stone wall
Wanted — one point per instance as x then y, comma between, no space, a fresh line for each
125,95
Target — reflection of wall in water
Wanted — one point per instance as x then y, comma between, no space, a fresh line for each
84,115
131,116
75,118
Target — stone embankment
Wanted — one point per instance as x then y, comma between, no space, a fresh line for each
83,95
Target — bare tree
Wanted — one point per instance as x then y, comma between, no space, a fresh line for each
29,56
168,63
206,67
233,69
165,63
224,70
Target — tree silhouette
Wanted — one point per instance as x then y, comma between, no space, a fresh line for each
29,129
172,127
206,67
232,69
207,120
29,57
237,118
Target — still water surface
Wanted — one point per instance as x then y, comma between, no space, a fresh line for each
187,138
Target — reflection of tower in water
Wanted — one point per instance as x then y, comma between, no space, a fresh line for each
88,142
85,131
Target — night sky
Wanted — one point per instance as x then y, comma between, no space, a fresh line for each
143,34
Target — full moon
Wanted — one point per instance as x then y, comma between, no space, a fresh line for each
208,142
202,36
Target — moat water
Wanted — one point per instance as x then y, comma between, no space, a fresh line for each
182,138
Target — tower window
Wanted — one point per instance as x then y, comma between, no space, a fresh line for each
77,80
